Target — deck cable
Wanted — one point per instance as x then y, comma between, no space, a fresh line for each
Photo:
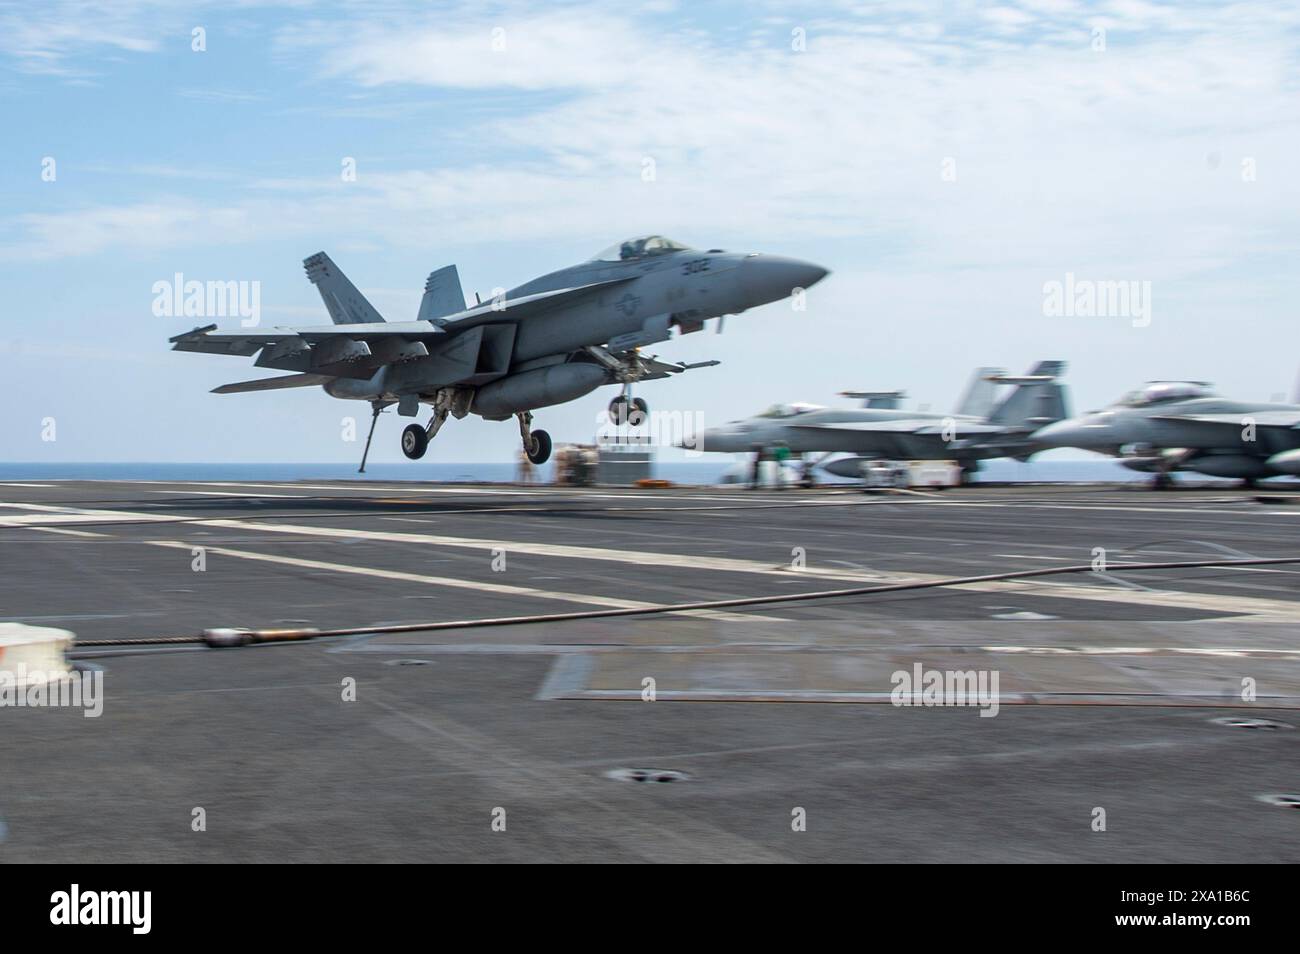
224,637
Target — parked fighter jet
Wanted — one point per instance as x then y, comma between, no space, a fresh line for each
551,340
1183,425
980,428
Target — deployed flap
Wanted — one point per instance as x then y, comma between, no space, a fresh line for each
346,305
273,384
442,294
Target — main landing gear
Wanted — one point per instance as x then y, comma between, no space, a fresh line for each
537,444
415,439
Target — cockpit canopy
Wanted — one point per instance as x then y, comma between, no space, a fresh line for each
1158,392
789,410
643,247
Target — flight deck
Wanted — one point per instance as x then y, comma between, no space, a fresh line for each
1169,697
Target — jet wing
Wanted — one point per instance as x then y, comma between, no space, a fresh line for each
514,309
1286,418
926,426
208,340
246,343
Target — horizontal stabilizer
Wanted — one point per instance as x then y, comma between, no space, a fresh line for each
882,400
273,384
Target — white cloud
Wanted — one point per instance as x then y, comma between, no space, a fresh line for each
1065,159
46,37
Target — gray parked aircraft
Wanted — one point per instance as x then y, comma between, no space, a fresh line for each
1167,426
981,427
548,341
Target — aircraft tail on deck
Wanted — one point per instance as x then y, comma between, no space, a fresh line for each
978,399
346,305
1037,399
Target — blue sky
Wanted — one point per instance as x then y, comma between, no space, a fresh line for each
1122,163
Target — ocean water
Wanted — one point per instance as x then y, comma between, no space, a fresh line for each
710,471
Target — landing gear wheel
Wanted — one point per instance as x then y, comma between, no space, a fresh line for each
539,448
639,412
619,408
1162,481
415,440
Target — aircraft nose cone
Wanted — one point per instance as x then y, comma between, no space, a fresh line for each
767,278
711,439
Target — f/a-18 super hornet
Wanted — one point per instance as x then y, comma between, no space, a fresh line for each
982,426
548,341
1166,426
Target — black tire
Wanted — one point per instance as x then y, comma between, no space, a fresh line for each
639,412
619,409
540,452
415,441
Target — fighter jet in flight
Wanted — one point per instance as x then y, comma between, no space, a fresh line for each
546,342
981,427
1167,426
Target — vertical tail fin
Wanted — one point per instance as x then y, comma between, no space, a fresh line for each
1036,400
442,294
346,305
977,401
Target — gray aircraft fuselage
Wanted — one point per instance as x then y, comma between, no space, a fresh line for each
690,286
652,295
1201,432
546,342
800,433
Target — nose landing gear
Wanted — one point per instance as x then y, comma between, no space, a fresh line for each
537,444
626,409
